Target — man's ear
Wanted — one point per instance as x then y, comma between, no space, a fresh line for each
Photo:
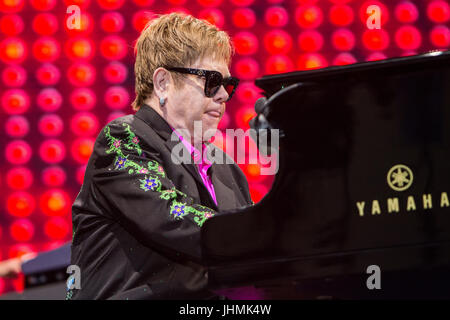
161,81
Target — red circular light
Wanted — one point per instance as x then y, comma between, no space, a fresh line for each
276,16
84,124
308,16
311,61
438,11
213,16
245,43
53,176
341,15
243,18
117,98
19,250
243,3
21,230
110,4
440,36
19,178
408,38
277,42
376,56
364,16
114,115
83,99
11,24
46,49
48,74
11,6
85,27
113,48
20,204
244,115
15,101
45,24
112,22
343,40
310,41
247,92
50,125
13,50
49,99
79,48
344,59
17,126
56,228
115,72
141,19
279,64
14,76
257,191
81,149
246,68
146,3
52,151
54,202
406,12
81,74
43,5
210,3
18,152
376,39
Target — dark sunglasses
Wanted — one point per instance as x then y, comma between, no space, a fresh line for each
214,81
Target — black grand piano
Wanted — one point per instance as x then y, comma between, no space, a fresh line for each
361,197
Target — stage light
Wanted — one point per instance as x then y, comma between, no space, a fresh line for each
45,24
276,16
279,64
343,39
43,5
344,59
84,124
307,1
19,250
311,61
376,39
83,99
340,1
81,149
13,50
14,76
406,12
81,74
80,49
310,41
11,24
11,6
438,11
141,18
49,99
247,92
364,16
245,43
242,3
309,16
50,125
257,191
46,49
110,4
408,38
115,72
376,56
54,202
48,75
21,230
56,228
440,36
182,10
18,152
20,204
19,178
17,127
114,115
112,22
246,68
54,176
146,3
52,151
80,174
116,98
15,101
244,115
209,3
341,15
113,48
86,25
277,42
243,18
213,16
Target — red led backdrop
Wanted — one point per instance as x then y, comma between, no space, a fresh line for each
59,86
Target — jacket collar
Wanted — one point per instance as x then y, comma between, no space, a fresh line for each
155,121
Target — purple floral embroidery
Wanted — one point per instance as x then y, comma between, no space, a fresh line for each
143,170
120,163
178,210
135,140
160,169
149,184
116,144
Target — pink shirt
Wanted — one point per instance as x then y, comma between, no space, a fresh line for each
202,166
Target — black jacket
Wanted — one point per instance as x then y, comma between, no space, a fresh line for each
137,217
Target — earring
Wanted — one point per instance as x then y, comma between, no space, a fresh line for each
162,101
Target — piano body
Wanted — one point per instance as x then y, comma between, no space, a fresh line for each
363,180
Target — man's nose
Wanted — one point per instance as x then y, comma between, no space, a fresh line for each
221,95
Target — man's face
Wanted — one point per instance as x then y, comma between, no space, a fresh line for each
189,103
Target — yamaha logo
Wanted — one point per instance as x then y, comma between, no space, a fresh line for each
400,177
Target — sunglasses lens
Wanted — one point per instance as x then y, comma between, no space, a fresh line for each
213,84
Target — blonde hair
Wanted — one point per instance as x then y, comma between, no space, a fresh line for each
175,40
